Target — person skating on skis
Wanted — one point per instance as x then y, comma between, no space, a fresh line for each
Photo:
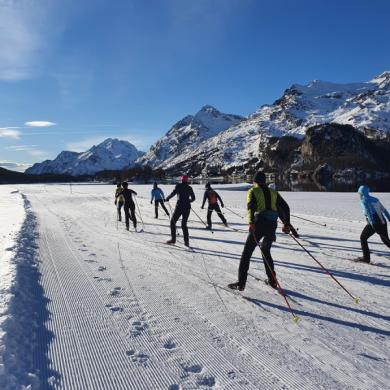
376,215
119,200
129,206
263,206
185,196
158,197
212,197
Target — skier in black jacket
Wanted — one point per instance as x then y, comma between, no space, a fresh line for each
129,207
185,196
213,197
264,206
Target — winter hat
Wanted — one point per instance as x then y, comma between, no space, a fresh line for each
184,179
125,184
259,178
208,185
363,190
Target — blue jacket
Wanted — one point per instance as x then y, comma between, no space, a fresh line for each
157,194
372,207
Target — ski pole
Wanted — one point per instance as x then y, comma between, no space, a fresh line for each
233,212
201,220
356,299
280,289
308,220
140,215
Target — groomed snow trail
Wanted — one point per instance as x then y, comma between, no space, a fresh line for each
129,312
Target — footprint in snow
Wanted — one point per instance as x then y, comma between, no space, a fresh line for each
99,279
116,309
193,369
90,261
169,345
115,291
138,357
206,381
102,268
138,327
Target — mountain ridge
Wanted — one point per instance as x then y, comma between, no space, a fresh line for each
111,154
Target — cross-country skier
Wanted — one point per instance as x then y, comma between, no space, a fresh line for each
263,206
119,200
376,216
158,197
129,206
213,197
185,196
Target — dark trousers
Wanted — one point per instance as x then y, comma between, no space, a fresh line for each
264,229
370,230
210,210
119,207
130,214
184,213
161,203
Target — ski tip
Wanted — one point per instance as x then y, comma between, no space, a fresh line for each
357,300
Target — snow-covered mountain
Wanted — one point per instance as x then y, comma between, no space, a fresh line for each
111,154
366,106
187,134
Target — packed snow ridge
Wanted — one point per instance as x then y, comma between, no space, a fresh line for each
111,154
363,105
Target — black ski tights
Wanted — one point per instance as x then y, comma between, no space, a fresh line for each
184,214
370,230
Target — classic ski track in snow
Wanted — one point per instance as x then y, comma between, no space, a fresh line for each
129,312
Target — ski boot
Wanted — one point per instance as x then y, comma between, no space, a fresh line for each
361,260
236,286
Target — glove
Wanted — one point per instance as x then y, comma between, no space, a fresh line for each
252,227
202,207
222,205
286,229
151,202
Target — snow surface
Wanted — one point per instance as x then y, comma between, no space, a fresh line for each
122,310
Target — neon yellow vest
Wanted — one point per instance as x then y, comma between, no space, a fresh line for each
256,193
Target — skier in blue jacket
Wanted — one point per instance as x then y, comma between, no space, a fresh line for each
158,197
376,216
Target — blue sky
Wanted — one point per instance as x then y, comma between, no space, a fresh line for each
130,69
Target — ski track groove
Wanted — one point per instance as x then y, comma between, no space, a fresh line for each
118,364
261,360
142,301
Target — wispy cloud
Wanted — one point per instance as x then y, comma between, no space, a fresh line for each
21,148
30,149
25,30
14,166
40,124
6,132
85,144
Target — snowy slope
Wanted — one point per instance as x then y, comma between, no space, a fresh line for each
363,105
111,154
125,311
187,134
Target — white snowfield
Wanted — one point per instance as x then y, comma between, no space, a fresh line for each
97,307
